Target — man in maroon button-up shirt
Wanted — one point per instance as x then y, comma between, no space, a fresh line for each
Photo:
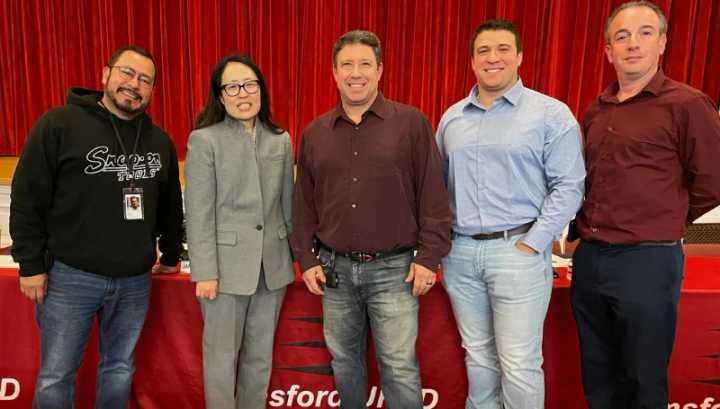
652,147
370,190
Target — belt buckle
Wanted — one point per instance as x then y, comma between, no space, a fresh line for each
362,257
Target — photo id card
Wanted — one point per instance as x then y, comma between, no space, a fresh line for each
133,203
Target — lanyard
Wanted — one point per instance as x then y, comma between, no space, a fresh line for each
122,145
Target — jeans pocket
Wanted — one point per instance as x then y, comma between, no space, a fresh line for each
525,253
397,261
517,251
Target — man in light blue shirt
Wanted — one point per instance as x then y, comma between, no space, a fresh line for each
514,168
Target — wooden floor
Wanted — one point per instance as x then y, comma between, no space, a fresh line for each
7,169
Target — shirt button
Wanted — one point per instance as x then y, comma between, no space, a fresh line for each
258,227
357,127
355,153
594,229
354,179
611,129
353,205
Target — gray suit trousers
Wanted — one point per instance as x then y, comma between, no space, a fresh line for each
238,345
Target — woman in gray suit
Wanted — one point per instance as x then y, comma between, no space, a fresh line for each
238,187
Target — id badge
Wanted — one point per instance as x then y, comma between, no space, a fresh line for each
133,203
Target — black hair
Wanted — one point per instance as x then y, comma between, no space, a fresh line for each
496,25
214,111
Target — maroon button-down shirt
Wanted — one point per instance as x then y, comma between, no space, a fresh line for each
372,187
653,163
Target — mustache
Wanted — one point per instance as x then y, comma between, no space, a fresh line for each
134,93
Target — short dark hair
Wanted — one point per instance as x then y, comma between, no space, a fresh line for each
134,48
632,4
214,111
496,25
358,37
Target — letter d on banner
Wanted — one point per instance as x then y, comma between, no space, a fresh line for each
434,395
4,382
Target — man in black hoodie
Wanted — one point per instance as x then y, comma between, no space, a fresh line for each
81,256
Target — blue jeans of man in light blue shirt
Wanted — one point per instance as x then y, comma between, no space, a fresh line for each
500,296
376,290
74,299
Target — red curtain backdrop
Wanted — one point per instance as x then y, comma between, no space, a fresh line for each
47,46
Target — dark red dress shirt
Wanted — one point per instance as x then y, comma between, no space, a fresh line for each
372,187
653,163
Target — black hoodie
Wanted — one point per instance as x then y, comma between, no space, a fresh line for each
67,193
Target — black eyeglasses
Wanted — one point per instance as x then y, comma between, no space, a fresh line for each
233,89
128,74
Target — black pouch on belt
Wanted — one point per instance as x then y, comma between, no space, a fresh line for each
328,266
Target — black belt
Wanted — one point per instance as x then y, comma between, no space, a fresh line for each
665,243
363,257
506,233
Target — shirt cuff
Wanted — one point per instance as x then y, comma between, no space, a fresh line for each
195,277
538,239
428,261
307,260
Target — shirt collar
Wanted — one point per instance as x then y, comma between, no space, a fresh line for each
380,107
654,87
512,95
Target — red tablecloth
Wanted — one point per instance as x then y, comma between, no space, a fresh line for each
168,357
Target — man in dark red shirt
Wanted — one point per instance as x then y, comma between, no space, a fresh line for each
370,191
652,147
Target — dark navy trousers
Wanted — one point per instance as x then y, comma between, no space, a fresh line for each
624,300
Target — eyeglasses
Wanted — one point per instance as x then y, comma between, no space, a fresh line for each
233,89
128,74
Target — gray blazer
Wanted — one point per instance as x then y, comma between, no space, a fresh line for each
238,200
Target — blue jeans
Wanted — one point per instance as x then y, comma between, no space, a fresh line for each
500,296
374,293
74,299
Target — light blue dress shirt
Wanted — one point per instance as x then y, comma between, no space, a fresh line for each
516,162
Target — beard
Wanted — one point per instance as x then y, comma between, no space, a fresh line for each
126,104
